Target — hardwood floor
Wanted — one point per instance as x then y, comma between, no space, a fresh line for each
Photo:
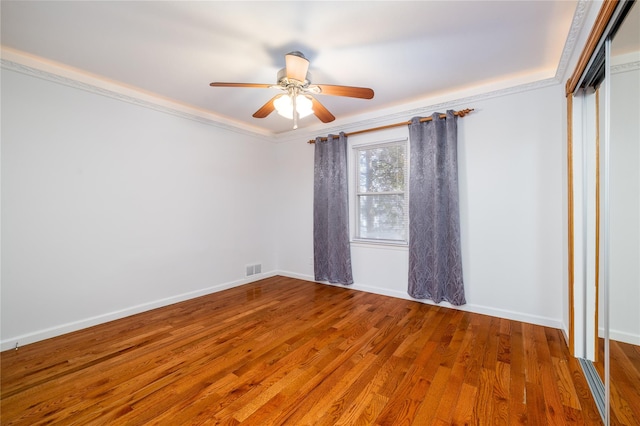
625,381
284,351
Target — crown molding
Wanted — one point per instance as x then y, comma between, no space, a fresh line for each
421,111
577,24
100,87
626,67
95,86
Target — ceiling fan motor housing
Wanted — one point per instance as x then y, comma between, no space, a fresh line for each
283,80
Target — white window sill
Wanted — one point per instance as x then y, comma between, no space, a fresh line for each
386,245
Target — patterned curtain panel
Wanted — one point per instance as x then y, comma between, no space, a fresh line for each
331,248
435,261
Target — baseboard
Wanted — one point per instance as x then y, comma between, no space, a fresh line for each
621,336
477,309
565,333
59,330
36,336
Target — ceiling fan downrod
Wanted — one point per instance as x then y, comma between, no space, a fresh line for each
293,92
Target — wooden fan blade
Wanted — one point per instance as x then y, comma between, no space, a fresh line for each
321,112
350,91
255,85
266,109
297,66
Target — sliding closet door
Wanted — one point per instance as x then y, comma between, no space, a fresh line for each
623,239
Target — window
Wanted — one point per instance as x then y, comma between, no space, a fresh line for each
381,199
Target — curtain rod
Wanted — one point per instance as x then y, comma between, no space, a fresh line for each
460,113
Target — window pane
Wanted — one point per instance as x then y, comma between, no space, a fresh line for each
381,217
381,169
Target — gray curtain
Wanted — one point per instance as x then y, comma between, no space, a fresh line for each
331,248
435,261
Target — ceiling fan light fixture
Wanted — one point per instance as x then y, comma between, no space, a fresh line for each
284,106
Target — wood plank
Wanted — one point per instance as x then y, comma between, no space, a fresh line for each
589,411
286,351
500,398
517,395
463,413
625,382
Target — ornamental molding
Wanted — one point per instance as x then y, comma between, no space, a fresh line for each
408,114
574,31
626,67
142,101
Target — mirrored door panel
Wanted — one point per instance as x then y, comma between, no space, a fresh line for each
624,223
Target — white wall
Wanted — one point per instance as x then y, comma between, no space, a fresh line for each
109,208
511,160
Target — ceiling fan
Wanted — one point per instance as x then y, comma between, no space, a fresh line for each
298,101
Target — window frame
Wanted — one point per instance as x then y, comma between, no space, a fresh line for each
355,194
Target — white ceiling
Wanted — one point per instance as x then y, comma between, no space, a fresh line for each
405,51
